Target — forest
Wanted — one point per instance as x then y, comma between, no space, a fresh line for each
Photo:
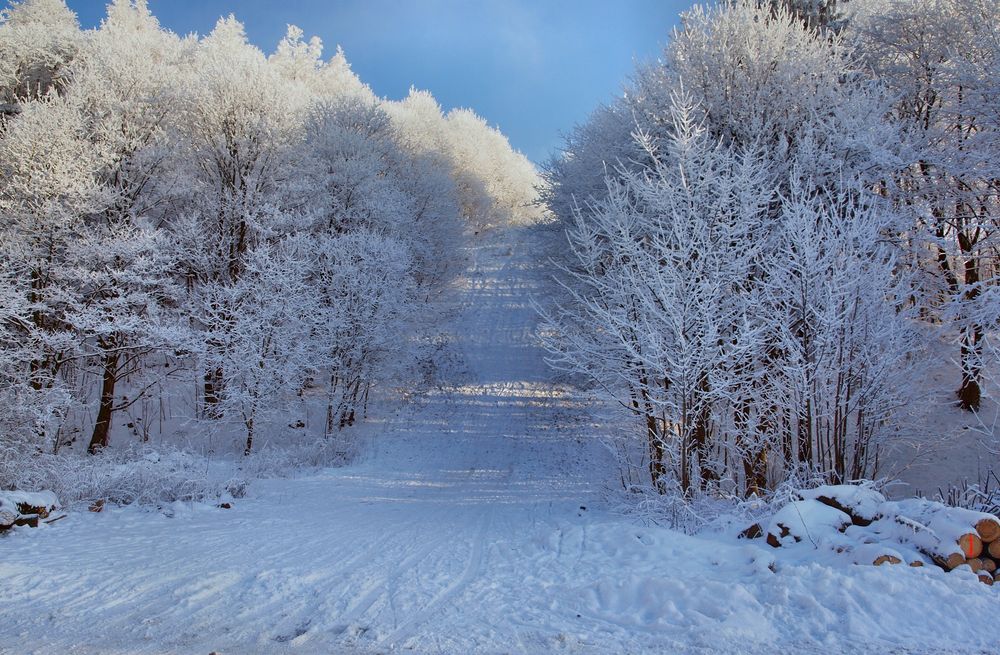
287,365
199,238
778,229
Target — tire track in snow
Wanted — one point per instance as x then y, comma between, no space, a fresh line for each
384,587
308,607
473,569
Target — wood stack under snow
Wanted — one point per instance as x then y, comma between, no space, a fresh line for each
22,508
858,522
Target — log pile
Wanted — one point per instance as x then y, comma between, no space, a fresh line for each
858,522
20,508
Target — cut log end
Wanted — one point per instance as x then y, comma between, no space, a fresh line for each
971,545
994,549
988,529
986,578
953,561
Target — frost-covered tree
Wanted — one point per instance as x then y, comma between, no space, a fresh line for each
51,184
510,180
364,289
240,165
828,14
844,335
372,183
124,271
424,131
38,40
592,149
496,184
750,347
760,79
764,80
122,80
940,60
259,334
661,292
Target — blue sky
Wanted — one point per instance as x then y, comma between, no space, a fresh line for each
533,67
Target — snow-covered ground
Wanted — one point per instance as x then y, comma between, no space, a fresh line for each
478,523
948,447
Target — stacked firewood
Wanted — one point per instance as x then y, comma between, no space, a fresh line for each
858,522
19,508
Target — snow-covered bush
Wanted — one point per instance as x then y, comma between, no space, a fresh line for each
750,345
721,511
983,495
123,476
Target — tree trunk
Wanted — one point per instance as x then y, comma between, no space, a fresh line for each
249,446
702,433
657,469
755,471
102,427
969,394
213,389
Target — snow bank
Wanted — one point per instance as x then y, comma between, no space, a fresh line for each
860,502
806,520
715,597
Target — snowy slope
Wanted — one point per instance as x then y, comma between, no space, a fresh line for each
462,532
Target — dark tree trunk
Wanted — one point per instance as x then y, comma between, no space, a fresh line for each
102,427
969,394
213,389
249,446
37,367
657,469
702,434
348,404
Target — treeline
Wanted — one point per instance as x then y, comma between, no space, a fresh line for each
777,226
187,220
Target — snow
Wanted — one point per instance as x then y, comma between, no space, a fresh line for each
948,448
862,501
11,499
478,523
806,520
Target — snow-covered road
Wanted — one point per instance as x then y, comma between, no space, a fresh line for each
476,525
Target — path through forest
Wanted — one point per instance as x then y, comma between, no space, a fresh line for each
475,525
